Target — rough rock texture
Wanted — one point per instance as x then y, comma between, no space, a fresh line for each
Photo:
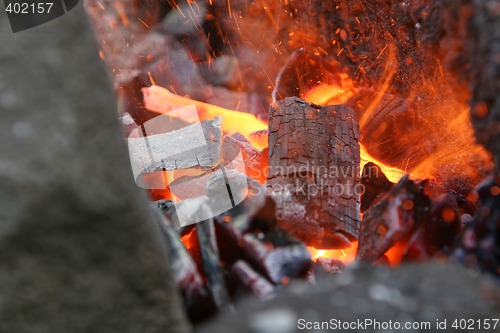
413,293
78,249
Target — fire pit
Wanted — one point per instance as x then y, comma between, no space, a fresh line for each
329,132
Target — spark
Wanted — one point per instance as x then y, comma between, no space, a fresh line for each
144,23
381,52
151,79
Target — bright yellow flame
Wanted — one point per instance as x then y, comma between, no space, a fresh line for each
347,255
159,99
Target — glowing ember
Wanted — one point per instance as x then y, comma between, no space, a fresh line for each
189,240
346,255
453,153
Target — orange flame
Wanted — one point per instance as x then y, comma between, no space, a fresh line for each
347,255
161,100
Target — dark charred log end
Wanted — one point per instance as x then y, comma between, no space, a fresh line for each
375,185
306,179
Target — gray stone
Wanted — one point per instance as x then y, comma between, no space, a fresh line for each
411,293
79,251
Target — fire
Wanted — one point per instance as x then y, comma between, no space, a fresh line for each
188,239
455,151
346,255
437,143
161,100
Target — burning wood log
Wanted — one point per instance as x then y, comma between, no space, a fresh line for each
393,218
314,171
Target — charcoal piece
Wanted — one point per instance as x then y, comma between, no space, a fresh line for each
274,253
211,265
393,218
480,242
442,224
278,262
314,171
302,72
375,184
439,231
184,269
466,205
247,278
167,207
196,145
255,161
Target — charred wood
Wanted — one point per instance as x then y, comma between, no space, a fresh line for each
167,151
245,277
212,268
480,243
278,256
255,161
375,185
185,272
396,216
314,171
439,231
